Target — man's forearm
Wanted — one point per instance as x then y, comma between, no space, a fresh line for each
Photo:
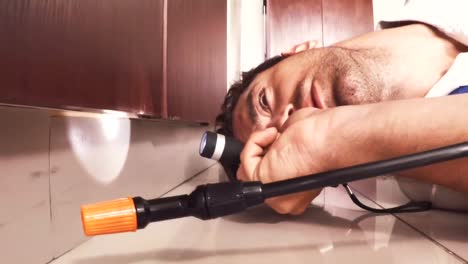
395,128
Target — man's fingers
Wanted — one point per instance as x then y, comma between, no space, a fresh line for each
254,150
288,52
241,176
315,44
311,44
294,204
298,115
257,142
263,138
303,46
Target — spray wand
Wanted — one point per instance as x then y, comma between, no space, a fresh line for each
220,199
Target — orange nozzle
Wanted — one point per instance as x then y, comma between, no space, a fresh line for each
109,217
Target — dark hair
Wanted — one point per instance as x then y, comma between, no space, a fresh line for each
223,123
224,119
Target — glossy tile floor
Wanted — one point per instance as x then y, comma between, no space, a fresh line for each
327,234
52,162
448,229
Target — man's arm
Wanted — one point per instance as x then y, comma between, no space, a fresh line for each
402,127
315,141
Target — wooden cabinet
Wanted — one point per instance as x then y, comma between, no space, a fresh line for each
295,21
292,22
104,54
111,54
345,19
196,58
162,58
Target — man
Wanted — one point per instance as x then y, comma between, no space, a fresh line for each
357,101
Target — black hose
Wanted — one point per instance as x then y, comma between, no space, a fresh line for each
359,172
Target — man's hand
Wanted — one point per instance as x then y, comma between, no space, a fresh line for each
270,156
311,44
313,141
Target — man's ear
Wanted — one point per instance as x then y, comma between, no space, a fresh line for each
311,44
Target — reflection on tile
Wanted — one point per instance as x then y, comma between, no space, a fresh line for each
330,235
24,186
98,159
384,190
391,191
26,238
337,197
440,196
445,227
448,228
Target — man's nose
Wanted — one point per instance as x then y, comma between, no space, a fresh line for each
284,115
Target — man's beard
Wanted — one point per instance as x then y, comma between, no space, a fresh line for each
357,76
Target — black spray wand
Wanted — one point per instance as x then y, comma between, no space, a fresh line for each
220,199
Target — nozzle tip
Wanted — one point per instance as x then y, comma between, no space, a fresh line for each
110,217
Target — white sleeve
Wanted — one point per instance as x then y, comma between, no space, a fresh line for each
448,16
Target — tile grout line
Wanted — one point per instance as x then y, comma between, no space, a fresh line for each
187,180
54,258
173,188
446,249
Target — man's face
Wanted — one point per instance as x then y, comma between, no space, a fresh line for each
318,78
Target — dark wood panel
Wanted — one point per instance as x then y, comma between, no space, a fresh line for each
104,54
196,58
343,19
292,22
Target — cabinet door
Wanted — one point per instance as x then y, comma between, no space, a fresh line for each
345,19
196,58
104,54
295,21
292,22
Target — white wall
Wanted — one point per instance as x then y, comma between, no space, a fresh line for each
246,41
233,41
252,35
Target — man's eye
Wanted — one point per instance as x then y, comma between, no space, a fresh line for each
263,100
